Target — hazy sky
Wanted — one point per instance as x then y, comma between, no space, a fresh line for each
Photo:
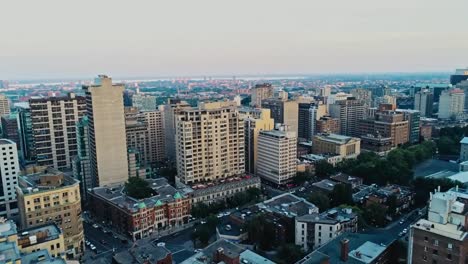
41,39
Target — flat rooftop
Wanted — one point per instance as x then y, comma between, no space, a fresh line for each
367,252
164,193
289,205
446,230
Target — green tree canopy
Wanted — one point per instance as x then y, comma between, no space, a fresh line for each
138,188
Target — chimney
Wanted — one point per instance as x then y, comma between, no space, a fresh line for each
344,249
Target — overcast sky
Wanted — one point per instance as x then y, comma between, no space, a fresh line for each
59,39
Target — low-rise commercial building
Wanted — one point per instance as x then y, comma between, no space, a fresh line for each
51,197
344,146
221,190
135,218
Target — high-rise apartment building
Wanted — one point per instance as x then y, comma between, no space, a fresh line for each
451,104
443,237
327,124
144,102
349,112
26,131
53,128
52,197
4,105
325,91
209,142
10,128
155,125
277,152
308,114
170,111
284,112
255,120
107,138
81,164
423,102
9,173
136,130
261,92
364,95
413,117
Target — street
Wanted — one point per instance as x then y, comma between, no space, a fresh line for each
105,244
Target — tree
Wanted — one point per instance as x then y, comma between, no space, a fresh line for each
324,169
301,177
341,194
424,186
375,213
320,200
290,253
138,188
261,232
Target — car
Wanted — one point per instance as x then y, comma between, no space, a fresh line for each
402,221
405,231
95,226
400,234
161,244
92,247
202,222
227,213
87,243
220,215
115,236
197,250
106,231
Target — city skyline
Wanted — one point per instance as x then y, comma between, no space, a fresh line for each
206,38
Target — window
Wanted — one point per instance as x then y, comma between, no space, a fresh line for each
450,246
449,256
426,239
435,252
436,242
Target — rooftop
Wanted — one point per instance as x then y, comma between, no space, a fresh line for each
332,216
356,241
340,139
7,228
464,140
164,193
9,252
40,257
289,205
325,184
49,179
251,257
345,178
229,249
40,234
367,252
446,230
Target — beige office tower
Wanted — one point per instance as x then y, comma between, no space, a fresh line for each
4,105
284,112
52,197
108,146
277,152
155,125
209,142
170,111
136,130
261,92
255,120
54,129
